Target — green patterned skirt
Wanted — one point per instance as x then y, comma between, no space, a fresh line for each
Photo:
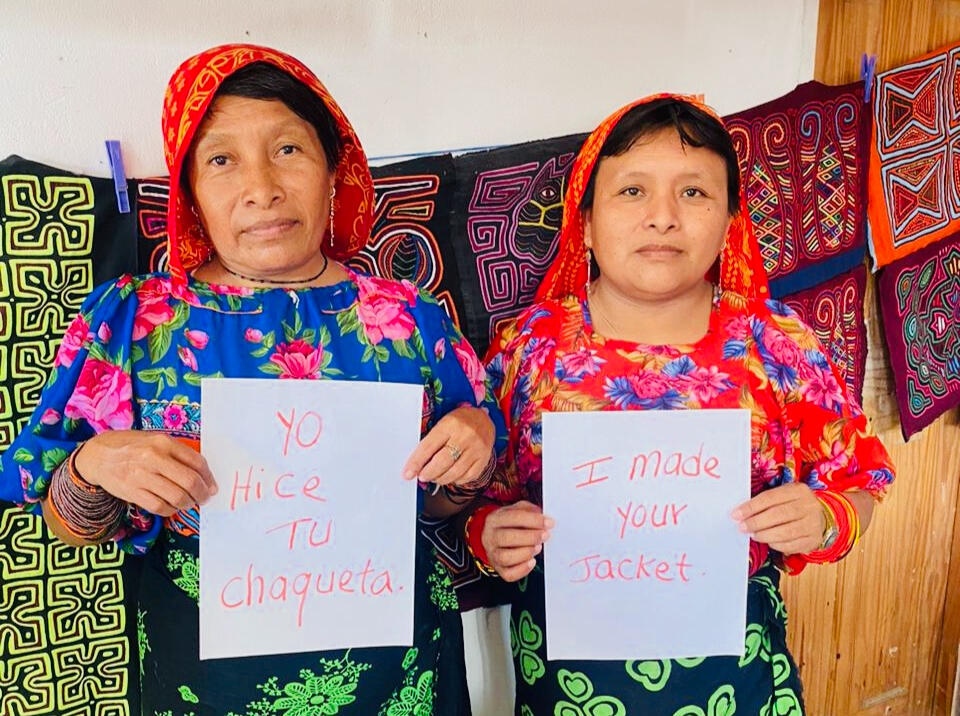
763,682
428,678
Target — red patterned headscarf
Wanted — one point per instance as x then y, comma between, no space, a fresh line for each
741,268
189,94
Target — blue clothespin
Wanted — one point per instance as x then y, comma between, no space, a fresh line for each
868,69
119,175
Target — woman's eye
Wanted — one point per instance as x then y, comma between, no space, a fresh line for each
289,149
631,191
693,192
219,160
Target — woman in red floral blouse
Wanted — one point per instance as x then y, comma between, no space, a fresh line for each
655,196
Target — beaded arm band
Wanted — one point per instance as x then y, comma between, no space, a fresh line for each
87,512
473,531
462,494
846,521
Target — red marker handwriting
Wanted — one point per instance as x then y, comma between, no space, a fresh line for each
594,567
305,430
653,515
315,537
252,485
252,589
677,464
591,480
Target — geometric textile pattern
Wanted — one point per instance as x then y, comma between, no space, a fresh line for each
507,213
46,270
151,211
915,155
60,235
834,310
803,163
920,306
410,239
65,627
473,589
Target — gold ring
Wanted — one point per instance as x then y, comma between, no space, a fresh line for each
455,452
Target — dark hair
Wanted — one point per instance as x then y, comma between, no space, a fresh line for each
695,127
261,80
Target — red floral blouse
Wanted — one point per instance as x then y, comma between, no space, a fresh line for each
756,355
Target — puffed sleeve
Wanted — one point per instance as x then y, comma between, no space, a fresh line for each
515,363
90,390
457,376
834,447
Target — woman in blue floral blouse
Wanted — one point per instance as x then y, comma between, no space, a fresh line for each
269,188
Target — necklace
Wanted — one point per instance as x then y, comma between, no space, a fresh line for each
594,305
285,282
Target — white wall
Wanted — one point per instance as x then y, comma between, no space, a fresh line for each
412,75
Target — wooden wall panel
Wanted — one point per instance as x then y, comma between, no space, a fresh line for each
946,686
867,633
878,634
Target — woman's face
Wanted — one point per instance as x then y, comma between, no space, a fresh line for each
659,217
261,185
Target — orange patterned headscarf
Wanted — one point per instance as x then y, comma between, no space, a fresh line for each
189,94
741,267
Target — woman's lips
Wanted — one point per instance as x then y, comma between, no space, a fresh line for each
270,229
659,251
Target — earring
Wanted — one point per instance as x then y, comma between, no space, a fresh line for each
333,195
587,286
720,276
197,229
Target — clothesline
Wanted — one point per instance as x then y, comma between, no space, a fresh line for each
433,153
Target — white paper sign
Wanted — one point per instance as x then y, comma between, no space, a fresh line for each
309,543
645,561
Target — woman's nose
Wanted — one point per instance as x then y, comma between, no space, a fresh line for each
261,185
661,213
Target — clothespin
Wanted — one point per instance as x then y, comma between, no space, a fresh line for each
119,175
868,69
